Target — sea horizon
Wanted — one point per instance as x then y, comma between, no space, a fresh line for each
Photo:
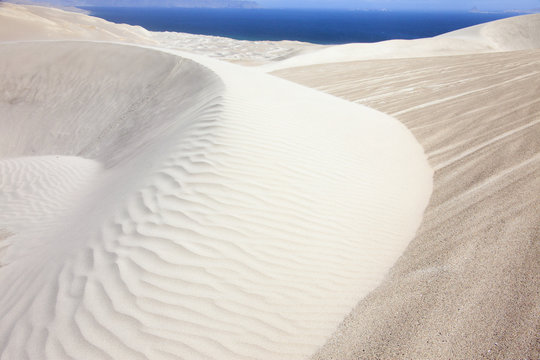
318,26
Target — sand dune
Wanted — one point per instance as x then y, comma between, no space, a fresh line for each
28,22
162,207
467,286
515,33
157,204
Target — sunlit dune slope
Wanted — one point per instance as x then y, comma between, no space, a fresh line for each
156,206
467,286
510,34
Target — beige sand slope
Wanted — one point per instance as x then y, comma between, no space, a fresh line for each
165,207
515,33
468,285
28,22
23,22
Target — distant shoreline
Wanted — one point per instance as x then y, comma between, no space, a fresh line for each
324,27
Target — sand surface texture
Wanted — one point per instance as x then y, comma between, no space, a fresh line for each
164,206
27,22
514,33
468,285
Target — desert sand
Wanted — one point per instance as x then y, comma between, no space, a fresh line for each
510,34
467,286
159,204
165,205
21,22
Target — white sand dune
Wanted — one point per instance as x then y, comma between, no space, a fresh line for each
200,210
155,206
244,52
29,22
510,34
467,286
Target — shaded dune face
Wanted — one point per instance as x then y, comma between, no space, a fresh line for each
94,101
161,209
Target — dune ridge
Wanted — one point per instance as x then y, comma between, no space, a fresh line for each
467,285
165,205
510,34
30,22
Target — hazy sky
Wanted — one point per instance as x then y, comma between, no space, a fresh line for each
406,4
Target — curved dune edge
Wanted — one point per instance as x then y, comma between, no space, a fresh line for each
162,206
30,22
467,285
510,34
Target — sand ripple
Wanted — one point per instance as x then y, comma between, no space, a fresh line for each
164,209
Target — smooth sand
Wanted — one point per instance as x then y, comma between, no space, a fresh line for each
166,206
510,34
468,285
27,22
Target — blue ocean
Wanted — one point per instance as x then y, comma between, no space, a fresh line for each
315,26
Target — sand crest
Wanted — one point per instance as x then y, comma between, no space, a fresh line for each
156,204
467,286
165,205
510,34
